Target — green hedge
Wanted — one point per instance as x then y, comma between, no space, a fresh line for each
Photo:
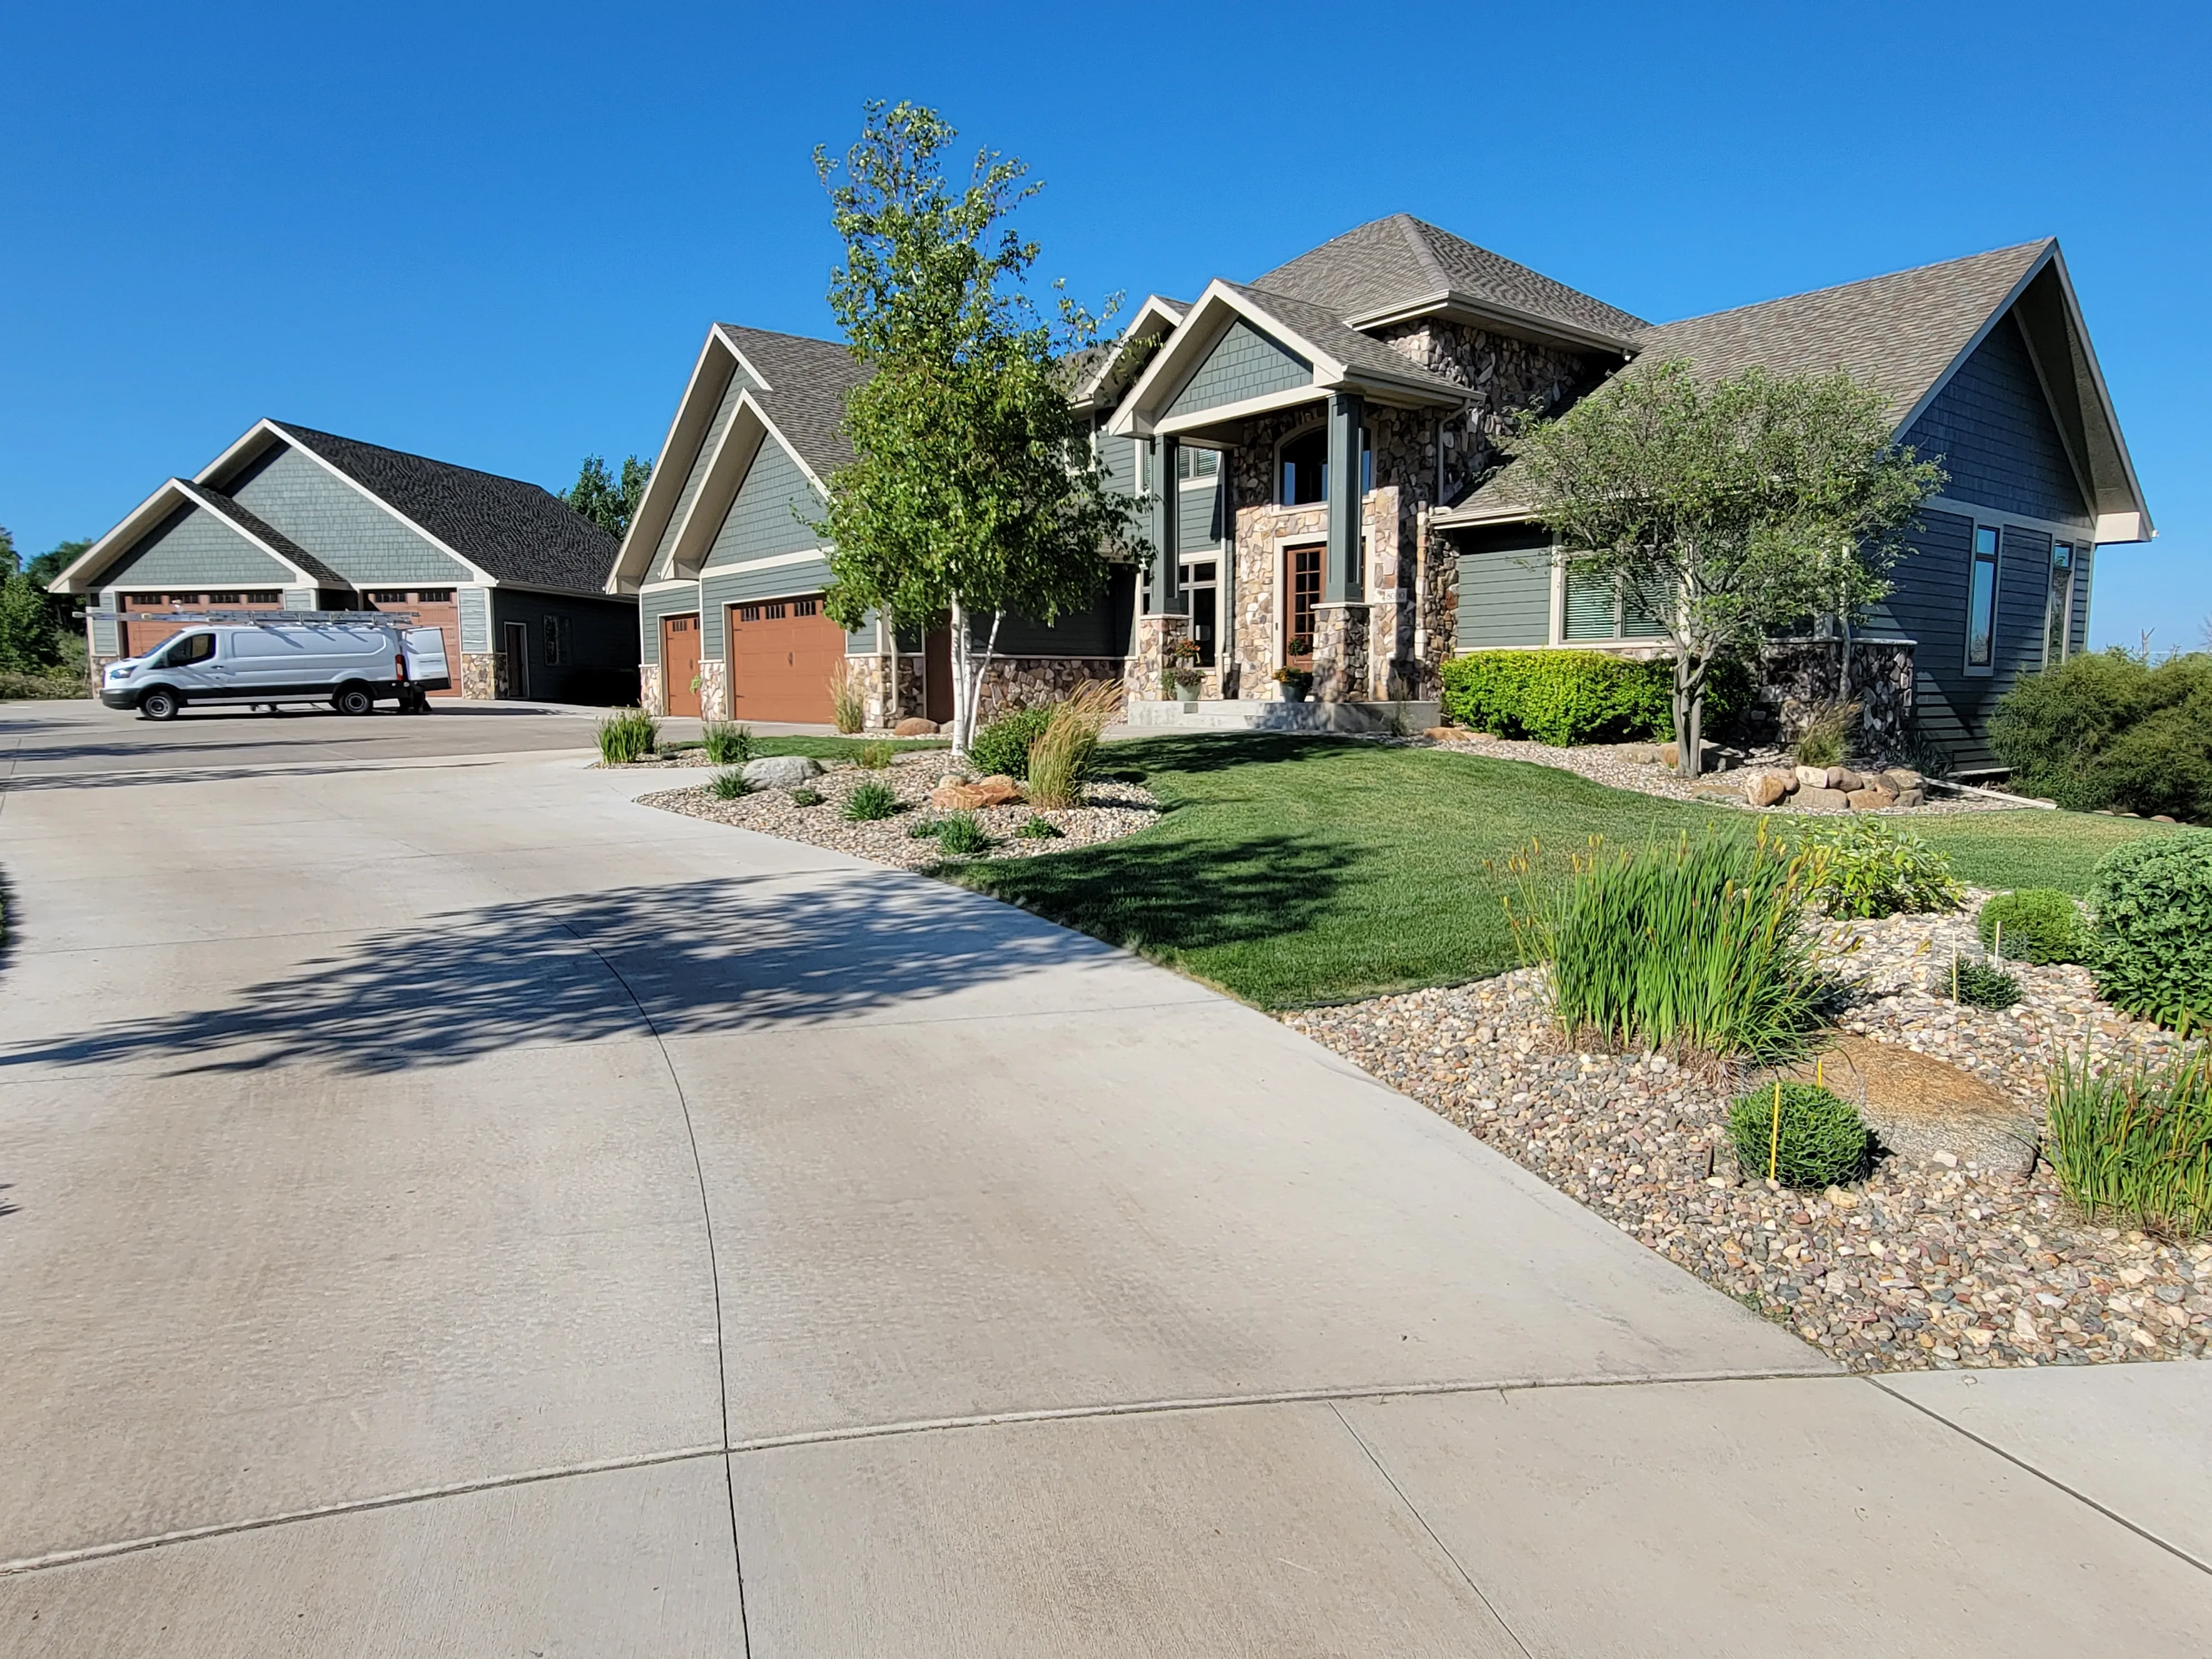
2107,729
2152,951
1567,697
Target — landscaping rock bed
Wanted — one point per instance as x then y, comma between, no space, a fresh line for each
1951,1257
1112,809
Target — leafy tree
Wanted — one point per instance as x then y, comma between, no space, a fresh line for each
31,620
608,501
1725,509
55,560
973,490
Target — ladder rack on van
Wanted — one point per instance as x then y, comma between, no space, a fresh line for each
263,618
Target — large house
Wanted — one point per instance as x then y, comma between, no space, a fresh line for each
291,518
1321,449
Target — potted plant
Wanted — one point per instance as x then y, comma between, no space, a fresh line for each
1181,674
1295,682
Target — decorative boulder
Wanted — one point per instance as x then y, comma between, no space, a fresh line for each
1850,782
1767,788
1820,800
1812,777
1911,798
1902,777
1444,733
1640,754
915,726
781,771
1870,800
1716,789
954,796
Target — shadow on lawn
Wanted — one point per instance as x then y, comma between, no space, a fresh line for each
1218,751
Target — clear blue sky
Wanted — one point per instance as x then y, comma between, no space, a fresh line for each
496,235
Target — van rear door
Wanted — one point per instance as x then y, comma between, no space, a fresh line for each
426,669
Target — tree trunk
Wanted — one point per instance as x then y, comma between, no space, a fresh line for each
962,696
1685,748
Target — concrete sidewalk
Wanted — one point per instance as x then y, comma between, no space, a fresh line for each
455,1209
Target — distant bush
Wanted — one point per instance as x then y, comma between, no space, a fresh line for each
2151,949
727,745
960,835
2106,729
626,735
2134,1144
2038,925
1568,697
1692,947
728,785
1863,867
871,799
1980,985
804,796
40,685
1800,1134
877,756
1003,746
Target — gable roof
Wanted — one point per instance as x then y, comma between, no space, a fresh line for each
800,385
83,574
1402,264
268,535
512,530
1905,333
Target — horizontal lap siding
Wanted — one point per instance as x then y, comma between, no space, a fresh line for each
474,604
192,548
652,606
600,665
1100,629
366,543
719,589
1201,525
1243,363
1504,592
1992,430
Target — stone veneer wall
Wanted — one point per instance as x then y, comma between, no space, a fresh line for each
483,675
905,697
1141,670
1018,682
1387,609
1798,676
648,689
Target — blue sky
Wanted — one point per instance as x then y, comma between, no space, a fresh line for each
496,234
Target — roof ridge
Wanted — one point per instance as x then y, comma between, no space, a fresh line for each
293,430
1415,231
2038,245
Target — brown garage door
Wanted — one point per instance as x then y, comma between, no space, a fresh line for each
783,653
434,607
143,634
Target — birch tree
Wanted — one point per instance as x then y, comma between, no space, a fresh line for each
1727,509
974,494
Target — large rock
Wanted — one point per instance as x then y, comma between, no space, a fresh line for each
1902,777
953,796
1818,777
1911,798
1870,800
1919,1106
1725,789
781,771
1850,782
915,726
1821,800
1768,789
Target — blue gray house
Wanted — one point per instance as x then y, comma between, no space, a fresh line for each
291,518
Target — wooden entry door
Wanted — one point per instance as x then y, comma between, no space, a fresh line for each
679,663
783,653
1301,594
936,675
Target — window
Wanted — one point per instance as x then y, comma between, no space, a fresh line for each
557,641
2058,621
749,613
223,598
435,596
263,596
1602,608
1304,475
1981,602
1197,463
189,649
387,596
806,607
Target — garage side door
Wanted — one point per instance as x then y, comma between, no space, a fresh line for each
783,653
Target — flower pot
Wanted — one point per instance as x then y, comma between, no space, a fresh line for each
1294,693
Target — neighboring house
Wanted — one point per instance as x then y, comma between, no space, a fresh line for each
291,518
1321,450
729,570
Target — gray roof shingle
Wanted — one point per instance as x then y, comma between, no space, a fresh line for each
515,531
1401,260
808,381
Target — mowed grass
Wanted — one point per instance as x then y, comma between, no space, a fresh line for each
1292,871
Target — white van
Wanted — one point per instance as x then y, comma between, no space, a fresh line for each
350,665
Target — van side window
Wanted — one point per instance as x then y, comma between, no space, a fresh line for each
192,648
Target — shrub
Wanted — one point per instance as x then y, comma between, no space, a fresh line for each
2106,729
1003,746
849,708
871,799
728,785
2134,1144
2151,947
877,756
2039,924
1692,947
960,835
727,745
1799,1134
804,796
41,683
1827,738
626,735
1979,985
1565,697
1034,828
1060,758
1864,867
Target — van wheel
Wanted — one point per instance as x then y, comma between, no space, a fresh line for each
160,704
353,700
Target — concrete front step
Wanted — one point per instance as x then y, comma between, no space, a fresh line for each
1252,714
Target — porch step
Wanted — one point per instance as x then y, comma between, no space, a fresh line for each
1253,714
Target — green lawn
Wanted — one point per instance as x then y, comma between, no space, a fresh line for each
1297,870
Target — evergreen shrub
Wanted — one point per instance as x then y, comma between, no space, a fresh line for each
2151,949
2107,729
1003,746
1813,1140
2038,925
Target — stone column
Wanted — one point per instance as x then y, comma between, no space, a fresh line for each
1340,652
1345,580
1145,676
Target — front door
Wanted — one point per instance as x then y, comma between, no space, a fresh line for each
679,665
1301,594
514,646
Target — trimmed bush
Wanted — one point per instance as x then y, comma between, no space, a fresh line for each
1692,947
1978,985
2133,1144
2038,925
1034,828
1003,746
2152,948
2106,729
727,745
1568,697
626,735
1863,867
1800,1134
804,796
871,799
728,785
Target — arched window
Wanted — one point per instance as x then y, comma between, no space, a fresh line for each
1303,474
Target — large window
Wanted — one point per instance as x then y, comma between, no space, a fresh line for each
2059,620
1981,602
1305,469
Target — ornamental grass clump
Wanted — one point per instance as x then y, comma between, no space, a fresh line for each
1800,1134
2133,1144
2038,925
1861,868
1061,756
727,745
626,735
848,706
728,784
1692,947
877,756
872,800
960,835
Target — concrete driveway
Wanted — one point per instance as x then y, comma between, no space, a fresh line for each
451,1209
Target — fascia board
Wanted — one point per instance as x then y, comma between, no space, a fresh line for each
1219,302
1454,518
168,494
1489,314
256,437
821,485
653,506
717,488
479,575
306,579
744,362
1266,404
2073,320
1997,314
